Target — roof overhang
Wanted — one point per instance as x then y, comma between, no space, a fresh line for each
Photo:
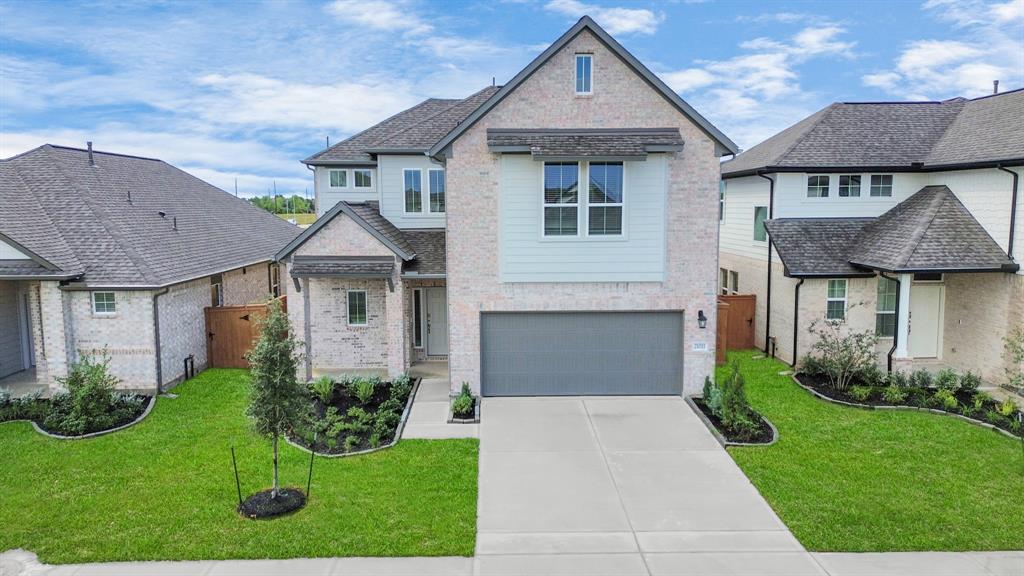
340,208
345,163
877,168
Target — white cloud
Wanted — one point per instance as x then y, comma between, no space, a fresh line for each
615,20
379,15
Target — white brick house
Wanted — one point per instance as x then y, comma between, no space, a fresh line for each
551,236
909,210
103,252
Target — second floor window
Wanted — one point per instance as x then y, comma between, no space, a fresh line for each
817,186
881,185
561,198
760,215
413,191
363,178
584,69
604,210
849,185
437,190
339,178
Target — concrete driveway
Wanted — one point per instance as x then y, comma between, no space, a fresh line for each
619,485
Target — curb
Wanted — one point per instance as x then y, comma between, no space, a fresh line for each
398,432
906,408
39,429
722,439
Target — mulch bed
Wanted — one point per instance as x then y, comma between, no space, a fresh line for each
41,408
342,402
764,434
261,505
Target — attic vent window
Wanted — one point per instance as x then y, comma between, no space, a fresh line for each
584,72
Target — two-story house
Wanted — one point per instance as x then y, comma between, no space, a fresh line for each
555,235
895,217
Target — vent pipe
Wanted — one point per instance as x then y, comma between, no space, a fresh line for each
92,161
175,220
995,86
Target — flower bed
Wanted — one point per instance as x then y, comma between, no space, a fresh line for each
764,433
724,408
353,414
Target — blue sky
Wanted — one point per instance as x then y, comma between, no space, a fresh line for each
244,90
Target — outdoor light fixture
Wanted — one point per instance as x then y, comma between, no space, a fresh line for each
702,320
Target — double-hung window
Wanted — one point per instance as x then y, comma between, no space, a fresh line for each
881,185
436,178
584,71
817,186
216,290
729,281
363,178
357,307
275,280
885,310
339,178
835,304
849,185
413,190
561,198
103,303
760,215
604,210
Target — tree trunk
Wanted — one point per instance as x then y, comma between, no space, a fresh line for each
273,492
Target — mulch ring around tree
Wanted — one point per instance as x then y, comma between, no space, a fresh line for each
764,434
261,505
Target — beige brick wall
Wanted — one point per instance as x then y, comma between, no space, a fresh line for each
183,328
621,99
247,285
981,310
127,336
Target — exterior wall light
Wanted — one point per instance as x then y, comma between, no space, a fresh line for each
702,320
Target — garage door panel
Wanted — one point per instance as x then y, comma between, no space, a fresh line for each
581,353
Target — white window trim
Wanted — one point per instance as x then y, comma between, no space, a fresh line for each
105,312
886,312
828,189
348,308
418,297
583,207
575,66
892,185
423,203
585,204
754,222
579,205
839,184
844,299
368,171
330,185
430,190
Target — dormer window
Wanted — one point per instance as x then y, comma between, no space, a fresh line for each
584,70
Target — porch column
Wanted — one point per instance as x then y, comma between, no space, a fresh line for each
395,312
903,318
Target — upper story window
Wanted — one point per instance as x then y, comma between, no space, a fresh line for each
363,178
413,190
561,198
604,210
849,186
817,186
584,72
103,303
835,305
339,178
881,185
760,215
437,187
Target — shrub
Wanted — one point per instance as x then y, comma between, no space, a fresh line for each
917,396
352,442
899,378
970,382
736,412
362,389
1013,354
812,366
894,394
323,388
921,378
357,421
844,353
977,404
463,404
401,387
944,399
947,379
873,376
993,417
713,399
1007,407
861,393
88,404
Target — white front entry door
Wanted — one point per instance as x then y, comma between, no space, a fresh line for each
925,320
437,321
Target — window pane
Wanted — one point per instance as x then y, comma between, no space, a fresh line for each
837,288
817,186
885,325
413,191
583,73
723,280
734,278
362,179
605,220
881,185
357,307
437,192
836,310
417,318
605,182
560,221
561,182
339,178
760,215
886,295
849,186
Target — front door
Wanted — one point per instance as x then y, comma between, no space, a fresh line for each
925,320
437,321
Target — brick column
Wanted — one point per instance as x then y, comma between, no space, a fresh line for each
51,311
398,352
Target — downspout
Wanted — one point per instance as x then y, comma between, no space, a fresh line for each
768,295
156,338
796,317
896,332
1013,209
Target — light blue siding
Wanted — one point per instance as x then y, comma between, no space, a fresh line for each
392,191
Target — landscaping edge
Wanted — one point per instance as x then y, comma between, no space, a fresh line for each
721,438
913,408
398,431
39,429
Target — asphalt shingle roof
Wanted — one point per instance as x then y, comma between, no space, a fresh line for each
417,128
929,232
79,217
895,135
352,266
568,143
429,246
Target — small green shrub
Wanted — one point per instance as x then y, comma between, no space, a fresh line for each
323,388
1007,407
899,378
861,393
362,389
401,387
357,421
463,405
89,405
944,399
947,379
921,379
352,442
994,417
977,404
713,399
917,396
970,382
894,394
873,376
812,366
737,415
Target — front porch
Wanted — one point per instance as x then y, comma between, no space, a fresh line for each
22,383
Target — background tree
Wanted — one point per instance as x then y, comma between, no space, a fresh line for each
278,401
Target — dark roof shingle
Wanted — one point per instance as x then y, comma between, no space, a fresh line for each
583,143
817,246
351,266
429,246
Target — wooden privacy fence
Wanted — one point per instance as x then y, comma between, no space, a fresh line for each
231,332
736,325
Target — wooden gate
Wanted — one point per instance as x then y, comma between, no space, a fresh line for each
739,326
230,333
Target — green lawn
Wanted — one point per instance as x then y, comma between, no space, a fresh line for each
164,489
300,219
845,479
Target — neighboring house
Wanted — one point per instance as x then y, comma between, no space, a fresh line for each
907,209
104,252
458,230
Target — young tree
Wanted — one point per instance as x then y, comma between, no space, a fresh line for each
278,401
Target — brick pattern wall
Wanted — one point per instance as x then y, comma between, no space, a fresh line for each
126,336
621,99
981,310
183,328
247,285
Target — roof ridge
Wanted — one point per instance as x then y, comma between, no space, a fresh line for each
77,149
367,129
455,102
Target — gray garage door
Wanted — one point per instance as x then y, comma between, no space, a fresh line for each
581,353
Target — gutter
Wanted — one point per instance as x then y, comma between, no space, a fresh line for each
796,317
768,296
896,332
1013,209
156,338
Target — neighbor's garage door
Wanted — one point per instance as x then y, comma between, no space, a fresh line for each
581,353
